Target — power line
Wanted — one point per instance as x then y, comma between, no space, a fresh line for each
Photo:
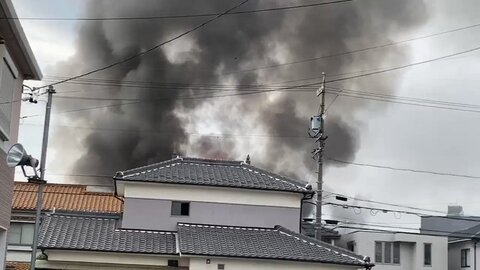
403,169
384,203
179,16
353,51
384,210
152,48
257,91
225,135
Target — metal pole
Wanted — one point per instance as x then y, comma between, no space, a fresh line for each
321,145
41,182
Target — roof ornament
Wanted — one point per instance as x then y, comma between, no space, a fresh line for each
118,174
247,160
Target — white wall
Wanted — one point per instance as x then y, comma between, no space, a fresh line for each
19,253
411,249
109,258
454,255
3,247
248,264
208,194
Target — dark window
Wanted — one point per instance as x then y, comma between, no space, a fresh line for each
387,252
387,255
221,267
21,233
378,252
465,260
180,209
427,254
351,246
396,252
173,263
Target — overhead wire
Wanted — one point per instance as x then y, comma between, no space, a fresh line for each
134,56
402,169
384,203
178,16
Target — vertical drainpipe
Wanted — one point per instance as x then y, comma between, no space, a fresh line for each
475,254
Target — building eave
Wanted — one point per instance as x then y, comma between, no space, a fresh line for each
20,49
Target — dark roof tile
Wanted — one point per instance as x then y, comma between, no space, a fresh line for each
101,234
262,243
209,172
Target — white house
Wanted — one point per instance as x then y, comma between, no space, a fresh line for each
399,251
198,214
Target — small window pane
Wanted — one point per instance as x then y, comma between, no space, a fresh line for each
396,252
27,233
378,252
185,211
180,208
465,260
351,246
221,267
173,263
427,254
14,233
388,252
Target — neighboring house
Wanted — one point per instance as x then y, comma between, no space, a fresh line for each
17,64
402,251
57,197
198,214
463,236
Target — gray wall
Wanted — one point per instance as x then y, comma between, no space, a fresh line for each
155,214
6,192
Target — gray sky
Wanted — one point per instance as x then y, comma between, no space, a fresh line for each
391,134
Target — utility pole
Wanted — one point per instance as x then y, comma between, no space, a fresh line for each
41,181
317,131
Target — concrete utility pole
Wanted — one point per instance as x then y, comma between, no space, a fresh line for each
318,127
41,182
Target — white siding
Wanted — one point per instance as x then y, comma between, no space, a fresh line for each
411,249
208,194
454,255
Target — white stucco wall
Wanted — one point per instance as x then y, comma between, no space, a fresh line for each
125,259
454,255
411,249
208,194
244,264
19,253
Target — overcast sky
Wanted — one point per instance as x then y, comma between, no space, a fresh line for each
396,135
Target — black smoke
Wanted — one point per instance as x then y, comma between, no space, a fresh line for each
164,120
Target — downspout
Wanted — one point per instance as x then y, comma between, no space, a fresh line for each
474,254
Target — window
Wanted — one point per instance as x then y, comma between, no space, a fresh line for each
465,257
427,254
351,246
173,263
21,233
180,208
221,267
396,252
8,76
387,252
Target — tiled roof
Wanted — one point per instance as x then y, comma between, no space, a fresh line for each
65,197
101,234
262,243
17,266
209,172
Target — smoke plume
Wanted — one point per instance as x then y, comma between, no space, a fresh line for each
165,118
